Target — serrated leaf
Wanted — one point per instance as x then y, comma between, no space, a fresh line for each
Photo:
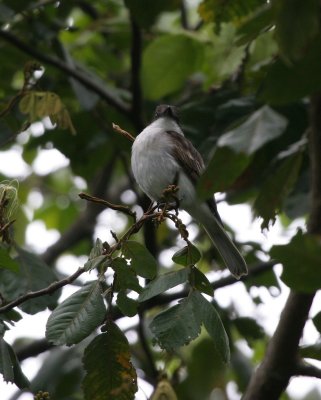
33,275
142,261
277,187
7,262
296,24
168,61
164,282
214,327
261,127
301,259
125,277
188,255
225,167
126,305
77,316
110,375
200,282
178,325
10,367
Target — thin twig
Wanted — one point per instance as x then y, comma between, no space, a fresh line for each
117,207
77,74
48,290
127,135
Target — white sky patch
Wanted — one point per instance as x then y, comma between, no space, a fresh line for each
39,238
109,220
48,161
12,164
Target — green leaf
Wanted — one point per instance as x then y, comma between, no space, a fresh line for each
178,325
96,257
146,12
200,282
224,168
256,24
214,327
164,282
261,127
277,187
7,262
33,275
249,328
60,373
297,23
317,321
285,83
312,351
168,61
77,316
142,261
301,260
219,11
10,367
125,277
126,305
109,372
188,255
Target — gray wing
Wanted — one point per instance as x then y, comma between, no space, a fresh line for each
191,162
187,156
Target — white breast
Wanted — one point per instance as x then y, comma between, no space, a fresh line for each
153,166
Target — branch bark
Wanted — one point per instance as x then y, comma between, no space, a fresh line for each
136,60
273,375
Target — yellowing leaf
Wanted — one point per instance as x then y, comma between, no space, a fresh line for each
109,371
164,391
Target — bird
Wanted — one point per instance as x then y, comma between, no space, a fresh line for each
162,156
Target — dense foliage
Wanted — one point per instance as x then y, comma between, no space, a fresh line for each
245,75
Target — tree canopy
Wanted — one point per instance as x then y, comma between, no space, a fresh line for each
79,80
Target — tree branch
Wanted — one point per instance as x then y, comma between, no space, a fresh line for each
306,369
77,74
39,346
116,207
48,290
273,375
146,348
136,60
184,19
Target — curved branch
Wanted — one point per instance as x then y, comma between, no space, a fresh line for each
306,369
48,290
273,375
77,74
39,346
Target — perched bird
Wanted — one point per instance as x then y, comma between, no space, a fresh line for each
162,156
